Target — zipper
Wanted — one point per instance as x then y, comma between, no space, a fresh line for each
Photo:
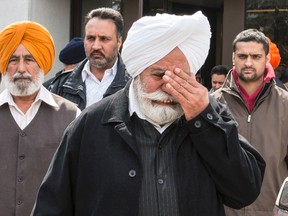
249,118
237,94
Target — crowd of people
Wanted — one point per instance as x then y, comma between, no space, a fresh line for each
136,132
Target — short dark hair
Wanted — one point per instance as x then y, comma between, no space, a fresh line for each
252,35
220,70
107,13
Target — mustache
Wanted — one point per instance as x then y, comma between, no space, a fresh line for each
158,95
248,68
19,75
98,52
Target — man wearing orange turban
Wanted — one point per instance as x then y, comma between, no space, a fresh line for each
33,119
275,60
275,57
34,37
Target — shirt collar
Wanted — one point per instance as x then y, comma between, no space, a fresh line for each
43,95
250,99
87,72
133,104
134,107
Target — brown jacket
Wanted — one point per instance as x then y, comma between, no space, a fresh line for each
26,154
266,128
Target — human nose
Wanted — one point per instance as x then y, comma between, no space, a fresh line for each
21,66
248,61
96,45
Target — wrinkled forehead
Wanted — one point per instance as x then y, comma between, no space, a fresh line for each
174,59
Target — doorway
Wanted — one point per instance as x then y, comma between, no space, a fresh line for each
214,14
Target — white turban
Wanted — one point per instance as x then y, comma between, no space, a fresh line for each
152,37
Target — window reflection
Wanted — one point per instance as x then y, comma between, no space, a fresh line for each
271,18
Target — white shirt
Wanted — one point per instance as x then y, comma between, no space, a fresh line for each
95,88
134,107
23,119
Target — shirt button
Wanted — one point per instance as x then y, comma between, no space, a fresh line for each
197,124
21,157
19,202
22,134
20,179
209,116
132,173
160,181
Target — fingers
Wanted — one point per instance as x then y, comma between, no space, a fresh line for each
180,82
191,95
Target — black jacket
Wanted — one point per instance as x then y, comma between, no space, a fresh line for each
97,169
71,86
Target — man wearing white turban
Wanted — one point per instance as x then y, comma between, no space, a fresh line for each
161,145
152,38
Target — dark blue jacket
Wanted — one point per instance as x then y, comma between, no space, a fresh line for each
71,86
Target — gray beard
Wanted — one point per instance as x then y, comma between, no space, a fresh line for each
106,62
23,87
156,113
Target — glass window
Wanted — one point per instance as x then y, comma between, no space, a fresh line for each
270,17
80,8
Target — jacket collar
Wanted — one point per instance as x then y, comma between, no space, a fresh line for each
230,81
117,109
116,112
230,86
75,79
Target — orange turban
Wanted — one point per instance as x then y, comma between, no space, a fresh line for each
275,57
34,37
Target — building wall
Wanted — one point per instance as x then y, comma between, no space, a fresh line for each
53,14
233,23
13,10
132,11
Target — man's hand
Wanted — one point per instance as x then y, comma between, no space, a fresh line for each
191,95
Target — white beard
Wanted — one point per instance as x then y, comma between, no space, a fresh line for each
26,87
160,114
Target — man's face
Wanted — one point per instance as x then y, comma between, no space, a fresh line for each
23,76
101,43
217,81
156,104
250,61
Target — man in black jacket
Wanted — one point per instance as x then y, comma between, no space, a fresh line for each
103,72
161,145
